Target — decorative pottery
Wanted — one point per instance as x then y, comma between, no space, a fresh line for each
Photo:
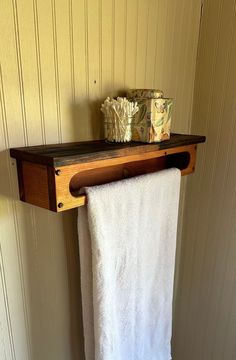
152,122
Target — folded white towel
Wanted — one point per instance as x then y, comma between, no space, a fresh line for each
127,238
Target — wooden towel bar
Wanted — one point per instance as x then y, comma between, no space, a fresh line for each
51,176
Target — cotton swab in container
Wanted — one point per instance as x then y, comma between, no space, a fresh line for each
118,116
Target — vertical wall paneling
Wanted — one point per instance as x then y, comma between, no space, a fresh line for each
6,338
59,59
107,56
64,70
9,75
20,70
131,43
29,73
143,11
151,44
14,127
160,44
7,349
56,71
79,107
170,30
207,288
46,61
119,45
94,66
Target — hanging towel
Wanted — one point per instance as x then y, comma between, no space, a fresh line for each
127,239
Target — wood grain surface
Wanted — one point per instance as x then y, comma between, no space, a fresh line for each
72,153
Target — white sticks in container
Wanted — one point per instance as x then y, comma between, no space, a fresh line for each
118,116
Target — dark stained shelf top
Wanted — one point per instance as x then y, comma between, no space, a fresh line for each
80,152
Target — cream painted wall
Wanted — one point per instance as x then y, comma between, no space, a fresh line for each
58,60
206,302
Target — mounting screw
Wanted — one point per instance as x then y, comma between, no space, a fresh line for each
57,172
193,168
60,205
165,153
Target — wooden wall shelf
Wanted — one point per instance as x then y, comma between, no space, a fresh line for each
51,176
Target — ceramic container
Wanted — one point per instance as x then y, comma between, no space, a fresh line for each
152,122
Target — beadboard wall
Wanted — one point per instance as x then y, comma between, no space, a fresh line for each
206,301
59,59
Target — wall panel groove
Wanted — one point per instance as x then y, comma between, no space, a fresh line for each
112,46
100,47
7,312
125,39
39,72
59,126
20,72
3,112
72,50
22,280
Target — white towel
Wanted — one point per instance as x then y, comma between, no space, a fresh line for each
127,238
